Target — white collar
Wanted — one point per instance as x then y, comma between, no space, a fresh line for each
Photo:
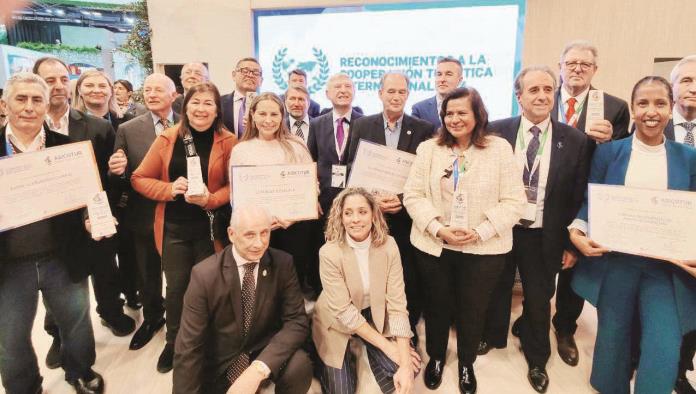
336,116
156,119
305,120
643,147
62,118
36,144
678,118
527,124
241,261
580,97
364,244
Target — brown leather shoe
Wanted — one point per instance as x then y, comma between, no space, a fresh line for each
567,349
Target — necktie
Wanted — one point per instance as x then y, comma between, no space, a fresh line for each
165,123
340,133
298,129
571,111
531,180
240,118
533,147
248,297
689,126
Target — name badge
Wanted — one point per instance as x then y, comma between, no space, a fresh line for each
459,215
194,176
530,209
338,176
100,218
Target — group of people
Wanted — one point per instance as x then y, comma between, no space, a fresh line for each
483,201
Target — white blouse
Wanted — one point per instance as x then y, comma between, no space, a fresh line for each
362,256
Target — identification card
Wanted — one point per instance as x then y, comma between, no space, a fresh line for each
530,212
338,176
595,107
100,218
196,187
459,215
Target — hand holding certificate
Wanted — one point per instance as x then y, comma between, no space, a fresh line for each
651,223
288,192
377,167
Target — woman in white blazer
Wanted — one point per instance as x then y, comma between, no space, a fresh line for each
464,194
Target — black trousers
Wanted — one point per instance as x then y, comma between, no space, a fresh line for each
568,304
688,350
127,265
538,283
184,245
149,265
470,279
415,293
299,240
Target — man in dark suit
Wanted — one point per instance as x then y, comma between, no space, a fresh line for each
298,77
296,100
555,165
247,77
82,127
448,76
578,65
133,140
399,131
44,256
244,319
191,74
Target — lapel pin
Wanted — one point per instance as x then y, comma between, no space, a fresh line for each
264,273
560,145
408,132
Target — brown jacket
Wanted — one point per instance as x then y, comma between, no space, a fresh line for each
343,296
151,178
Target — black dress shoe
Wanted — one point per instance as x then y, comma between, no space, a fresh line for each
467,380
53,355
567,349
683,386
120,325
92,384
166,359
433,373
516,327
538,378
133,303
145,333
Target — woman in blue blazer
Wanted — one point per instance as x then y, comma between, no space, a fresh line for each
621,285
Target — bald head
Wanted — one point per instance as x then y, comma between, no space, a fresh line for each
159,93
193,74
250,231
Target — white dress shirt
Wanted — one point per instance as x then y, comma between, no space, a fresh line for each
579,104
159,127
679,130
362,256
62,126
241,261
304,127
36,144
544,161
346,129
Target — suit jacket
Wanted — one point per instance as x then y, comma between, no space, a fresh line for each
322,147
151,178
83,127
565,185
615,111
495,194
178,104
67,228
371,128
343,293
229,118
210,336
427,110
609,167
135,138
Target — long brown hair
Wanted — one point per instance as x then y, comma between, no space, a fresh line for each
478,135
335,232
283,135
185,125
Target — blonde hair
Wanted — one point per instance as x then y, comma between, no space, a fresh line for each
336,232
288,142
80,102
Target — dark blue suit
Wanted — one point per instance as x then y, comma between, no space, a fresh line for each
620,284
427,110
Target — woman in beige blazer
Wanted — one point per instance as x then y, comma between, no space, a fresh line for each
363,296
464,194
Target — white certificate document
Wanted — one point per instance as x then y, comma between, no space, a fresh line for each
652,223
595,107
100,218
287,191
38,185
377,167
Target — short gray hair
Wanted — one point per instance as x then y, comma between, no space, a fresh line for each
582,45
527,70
171,87
399,73
24,77
247,209
299,88
675,71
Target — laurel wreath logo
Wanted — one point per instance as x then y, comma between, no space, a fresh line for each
281,64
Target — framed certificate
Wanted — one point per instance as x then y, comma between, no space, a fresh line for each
651,223
377,167
38,185
287,191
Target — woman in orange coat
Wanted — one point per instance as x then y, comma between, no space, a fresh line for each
183,218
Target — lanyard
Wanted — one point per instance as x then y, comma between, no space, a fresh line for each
573,119
523,145
456,170
189,146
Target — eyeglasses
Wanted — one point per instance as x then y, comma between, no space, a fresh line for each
584,66
249,71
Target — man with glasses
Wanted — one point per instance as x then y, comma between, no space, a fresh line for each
247,77
191,74
578,65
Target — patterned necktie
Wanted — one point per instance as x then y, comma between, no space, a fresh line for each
340,133
240,118
241,363
531,180
298,129
689,138
165,123
533,147
571,111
